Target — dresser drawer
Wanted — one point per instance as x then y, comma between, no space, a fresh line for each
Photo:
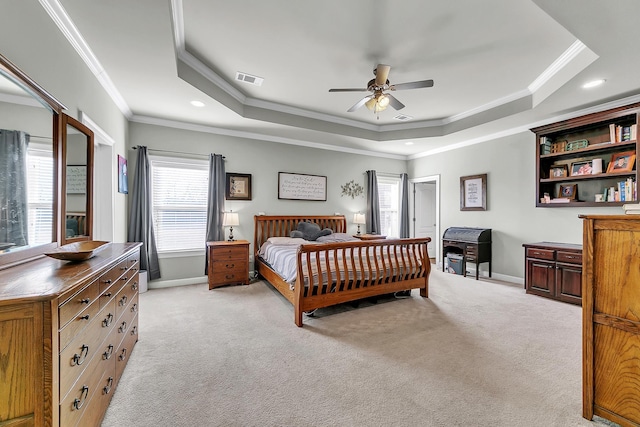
75,358
540,253
126,347
229,253
126,295
79,302
228,277
569,257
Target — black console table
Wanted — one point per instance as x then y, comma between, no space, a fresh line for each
474,244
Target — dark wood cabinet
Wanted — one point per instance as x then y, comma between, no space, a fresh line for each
554,270
474,244
573,159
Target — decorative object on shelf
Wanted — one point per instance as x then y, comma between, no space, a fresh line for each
473,193
229,220
581,168
558,171
576,145
622,162
569,191
297,186
123,184
545,145
238,186
596,166
558,147
352,189
78,251
358,219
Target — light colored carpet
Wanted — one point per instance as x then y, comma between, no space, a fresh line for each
477,353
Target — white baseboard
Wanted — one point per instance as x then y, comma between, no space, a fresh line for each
471,271
157,284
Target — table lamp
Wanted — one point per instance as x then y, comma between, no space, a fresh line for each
358,219
229,220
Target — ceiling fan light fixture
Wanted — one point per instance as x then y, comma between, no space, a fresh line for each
383,101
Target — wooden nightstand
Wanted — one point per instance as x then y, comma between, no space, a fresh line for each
369,236
228,263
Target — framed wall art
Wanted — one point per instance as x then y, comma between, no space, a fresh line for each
473,193
297,186
568,191
238,186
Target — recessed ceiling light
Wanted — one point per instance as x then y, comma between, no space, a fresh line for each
408,143
197,103
593,83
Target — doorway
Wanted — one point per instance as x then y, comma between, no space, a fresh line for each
426,212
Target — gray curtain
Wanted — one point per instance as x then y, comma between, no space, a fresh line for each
14,214
404,206
372,214
215,202
141,216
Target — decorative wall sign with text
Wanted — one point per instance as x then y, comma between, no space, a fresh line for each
296,186
473,193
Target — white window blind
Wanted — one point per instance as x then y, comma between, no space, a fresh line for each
179,199
40,195
389,199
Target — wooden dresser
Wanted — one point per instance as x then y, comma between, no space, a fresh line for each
554,270
228,263
67,331
611,318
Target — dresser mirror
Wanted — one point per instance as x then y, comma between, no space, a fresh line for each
29,151
77,182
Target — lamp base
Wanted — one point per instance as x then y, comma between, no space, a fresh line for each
358,233
231,239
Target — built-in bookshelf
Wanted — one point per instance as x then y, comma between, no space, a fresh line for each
588,160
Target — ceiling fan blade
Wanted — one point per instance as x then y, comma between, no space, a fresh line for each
412,85
394,102
382,74
348,90
360,103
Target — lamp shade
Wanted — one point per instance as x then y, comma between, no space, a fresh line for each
358,218
230,219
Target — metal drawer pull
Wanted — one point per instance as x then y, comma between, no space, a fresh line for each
77,403
107,320
228,277
122,301
123,268
78,359
123,355
134,330
108,281
125,278
230,266
134,286
107,354
122,327
108,295
134,308
85,317
85,301
569,257
107,388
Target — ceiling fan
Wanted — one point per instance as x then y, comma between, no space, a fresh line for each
379,99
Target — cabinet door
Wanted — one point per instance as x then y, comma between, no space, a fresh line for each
541,278
21,370
569,283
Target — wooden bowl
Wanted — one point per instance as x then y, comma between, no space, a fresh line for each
78,251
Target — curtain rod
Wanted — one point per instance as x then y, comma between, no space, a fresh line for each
176,152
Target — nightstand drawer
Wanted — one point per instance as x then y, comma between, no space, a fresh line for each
227,253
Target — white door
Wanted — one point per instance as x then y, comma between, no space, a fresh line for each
425,213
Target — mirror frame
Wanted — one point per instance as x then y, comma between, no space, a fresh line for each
14,73
81,128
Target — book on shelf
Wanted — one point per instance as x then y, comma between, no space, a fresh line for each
561,200
618,133
631,207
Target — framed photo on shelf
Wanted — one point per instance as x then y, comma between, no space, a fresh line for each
473,193
568,191
558,171
581,168
622,162
238,186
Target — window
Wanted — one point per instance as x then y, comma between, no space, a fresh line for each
40,193
389,199
179,198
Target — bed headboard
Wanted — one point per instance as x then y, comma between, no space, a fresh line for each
266,226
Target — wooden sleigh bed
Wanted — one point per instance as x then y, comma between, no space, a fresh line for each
334,273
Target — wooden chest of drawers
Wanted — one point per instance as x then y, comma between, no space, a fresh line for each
71,327
228,263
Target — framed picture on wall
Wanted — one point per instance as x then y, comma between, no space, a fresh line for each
238,186
473,193
123,184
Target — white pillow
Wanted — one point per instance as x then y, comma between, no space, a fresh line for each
287,241
337,237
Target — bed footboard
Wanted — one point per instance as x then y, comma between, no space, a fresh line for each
334,273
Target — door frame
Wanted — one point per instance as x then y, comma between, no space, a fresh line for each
412,208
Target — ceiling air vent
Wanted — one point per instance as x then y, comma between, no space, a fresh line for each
248,78
403,117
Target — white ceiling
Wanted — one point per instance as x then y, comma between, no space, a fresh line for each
498,65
